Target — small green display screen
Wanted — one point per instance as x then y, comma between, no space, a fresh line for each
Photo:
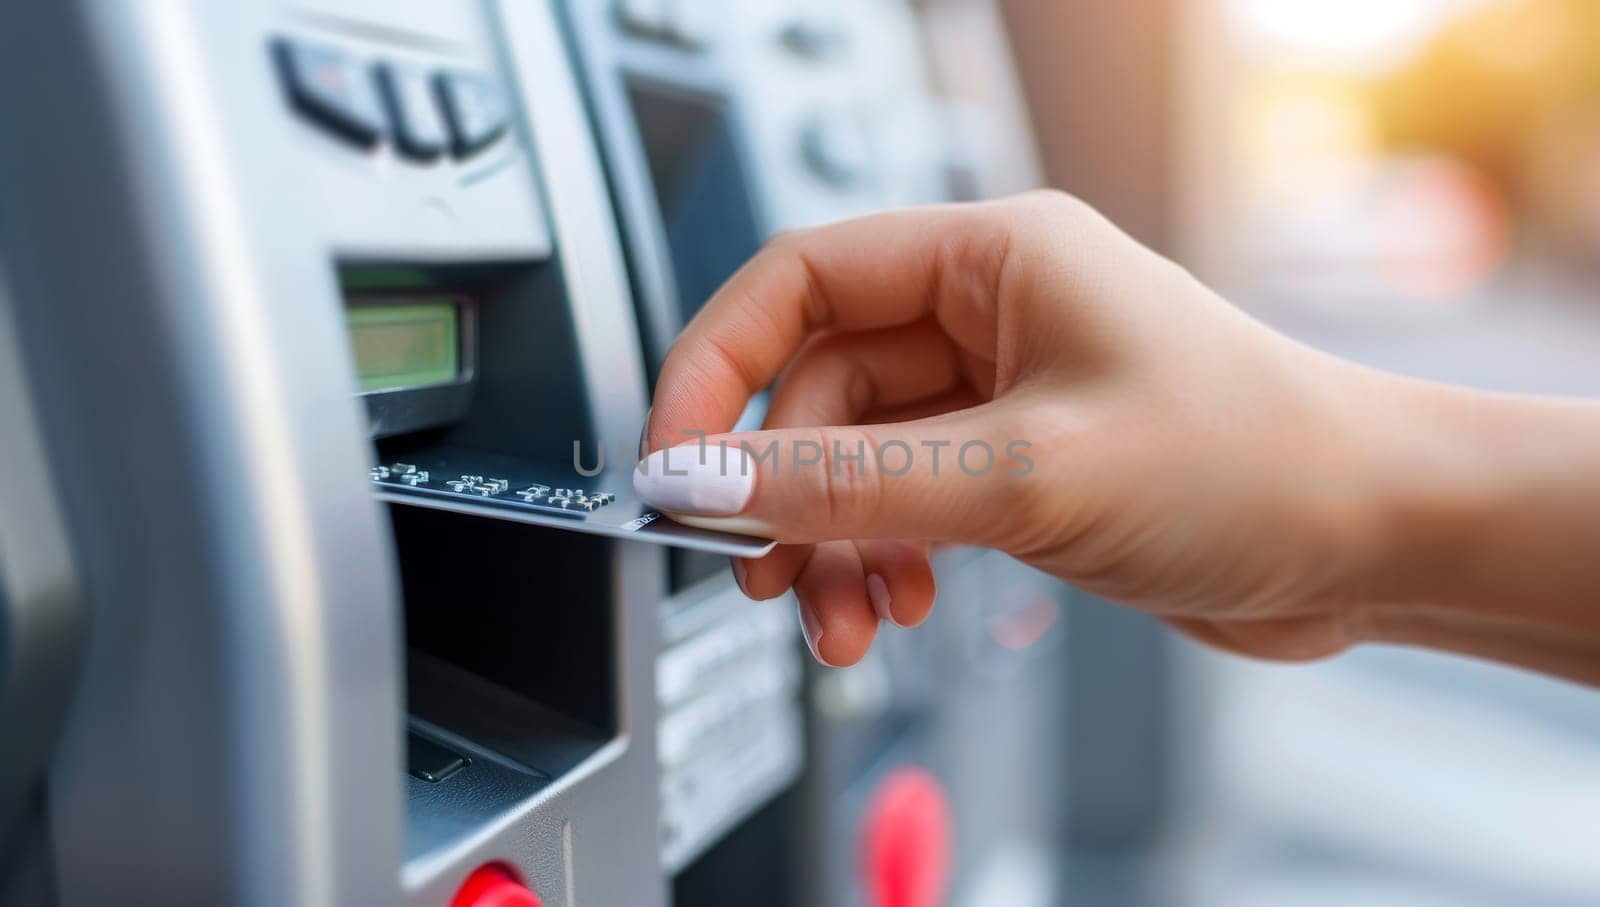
415,343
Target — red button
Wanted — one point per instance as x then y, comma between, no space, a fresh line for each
906,840
494,886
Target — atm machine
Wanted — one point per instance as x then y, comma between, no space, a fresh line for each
311,302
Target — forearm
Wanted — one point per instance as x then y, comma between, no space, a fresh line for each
1493,529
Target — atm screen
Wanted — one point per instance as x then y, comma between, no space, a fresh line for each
415,343
700,188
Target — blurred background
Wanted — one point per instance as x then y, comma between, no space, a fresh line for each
1413,184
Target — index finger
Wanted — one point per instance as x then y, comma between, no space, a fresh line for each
873,272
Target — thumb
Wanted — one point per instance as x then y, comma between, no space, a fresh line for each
952,478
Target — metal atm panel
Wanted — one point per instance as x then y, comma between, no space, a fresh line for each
184,231
233,738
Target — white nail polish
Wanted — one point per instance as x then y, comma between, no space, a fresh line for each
736,525
878,592
812,629
695,480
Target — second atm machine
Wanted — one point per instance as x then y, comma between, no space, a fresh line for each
722,123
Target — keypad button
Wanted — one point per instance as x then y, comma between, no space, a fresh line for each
837,148
414,118
476,109
814,39
328,87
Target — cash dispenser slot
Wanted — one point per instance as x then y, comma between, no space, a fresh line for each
509,637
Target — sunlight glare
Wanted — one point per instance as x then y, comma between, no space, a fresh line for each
1365,34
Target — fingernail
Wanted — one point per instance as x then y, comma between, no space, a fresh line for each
878,592
695,480
644,432
740,571
812,629
735,525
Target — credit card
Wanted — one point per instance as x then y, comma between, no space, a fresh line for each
502,488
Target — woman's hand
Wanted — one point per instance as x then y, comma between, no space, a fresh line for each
1021,375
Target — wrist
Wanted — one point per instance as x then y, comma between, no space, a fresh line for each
1488,504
